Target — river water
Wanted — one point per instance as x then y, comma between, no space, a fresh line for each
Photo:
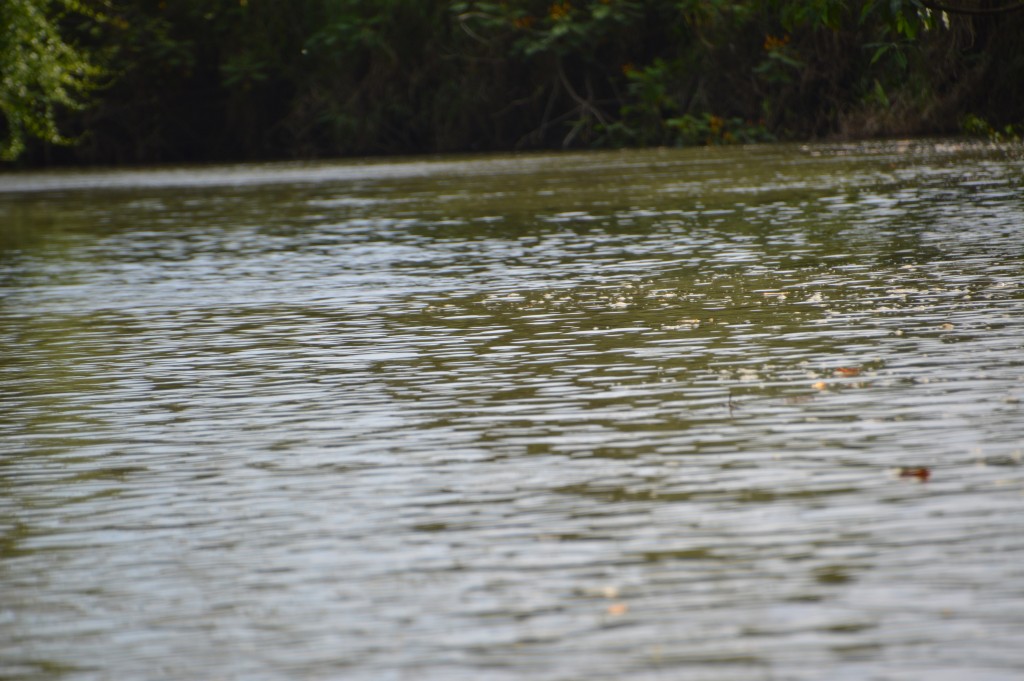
729,413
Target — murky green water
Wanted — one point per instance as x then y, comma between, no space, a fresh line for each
539,417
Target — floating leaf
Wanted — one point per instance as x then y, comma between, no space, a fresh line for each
920,472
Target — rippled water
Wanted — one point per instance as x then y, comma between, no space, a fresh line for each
541,417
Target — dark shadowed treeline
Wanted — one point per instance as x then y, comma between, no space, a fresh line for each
193,80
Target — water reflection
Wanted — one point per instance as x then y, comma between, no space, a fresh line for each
612,415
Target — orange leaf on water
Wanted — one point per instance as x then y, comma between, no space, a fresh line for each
616,609
921,473
847,371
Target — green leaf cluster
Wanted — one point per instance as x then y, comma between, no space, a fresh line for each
41,73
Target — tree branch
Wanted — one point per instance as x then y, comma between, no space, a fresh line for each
978,11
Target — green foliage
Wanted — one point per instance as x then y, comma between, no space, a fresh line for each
560,27
781,64
654,116
40,73
711,130
645,118
235,79
976,126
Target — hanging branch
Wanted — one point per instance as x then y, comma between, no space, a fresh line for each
975,11
583,106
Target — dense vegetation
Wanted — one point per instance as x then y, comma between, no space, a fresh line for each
189,80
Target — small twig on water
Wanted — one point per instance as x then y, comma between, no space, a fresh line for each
732,405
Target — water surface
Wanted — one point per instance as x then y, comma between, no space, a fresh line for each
613,415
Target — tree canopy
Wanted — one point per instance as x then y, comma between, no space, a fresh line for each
194,80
